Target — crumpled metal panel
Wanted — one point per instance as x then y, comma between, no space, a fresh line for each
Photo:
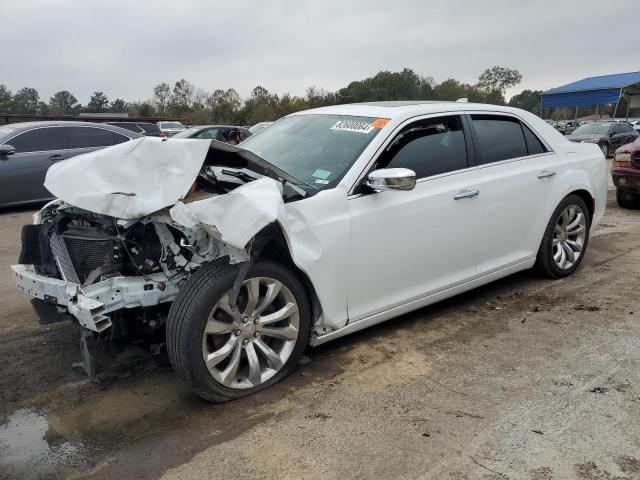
129,180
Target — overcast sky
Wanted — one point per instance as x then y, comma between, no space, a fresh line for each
124,48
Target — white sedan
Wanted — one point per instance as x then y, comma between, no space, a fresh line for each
328,222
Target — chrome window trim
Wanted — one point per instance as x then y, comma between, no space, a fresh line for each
392,134
6,142
520,119
17,134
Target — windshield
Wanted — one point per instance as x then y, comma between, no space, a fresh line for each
593,128
317,149
187,133
171,125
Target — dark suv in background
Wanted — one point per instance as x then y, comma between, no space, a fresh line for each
608,135
143,128
27,150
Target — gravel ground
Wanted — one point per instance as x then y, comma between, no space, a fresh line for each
524,378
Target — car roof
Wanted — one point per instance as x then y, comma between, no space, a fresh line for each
403,109
70,123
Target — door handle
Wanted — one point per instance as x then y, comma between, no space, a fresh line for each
546,173
55,157
466,194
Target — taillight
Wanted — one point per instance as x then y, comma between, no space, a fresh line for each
162,135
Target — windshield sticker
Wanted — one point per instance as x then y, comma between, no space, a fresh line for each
380,122
322,182
352,126
322,174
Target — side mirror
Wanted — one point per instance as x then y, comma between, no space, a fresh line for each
391,179
7,150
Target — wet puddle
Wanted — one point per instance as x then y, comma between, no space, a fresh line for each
29,450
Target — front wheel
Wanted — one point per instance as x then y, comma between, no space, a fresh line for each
565,239
229,351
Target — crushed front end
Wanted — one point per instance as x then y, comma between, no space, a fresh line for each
100,269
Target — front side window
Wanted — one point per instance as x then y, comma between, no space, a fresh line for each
88,137
428,147
317,149
38,140
499,138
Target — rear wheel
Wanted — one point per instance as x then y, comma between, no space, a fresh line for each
565,239
229,351
627,199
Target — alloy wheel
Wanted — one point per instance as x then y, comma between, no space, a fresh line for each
569,236
246,344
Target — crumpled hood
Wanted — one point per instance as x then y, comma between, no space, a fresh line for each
129,180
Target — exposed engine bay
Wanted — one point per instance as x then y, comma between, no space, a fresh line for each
153,254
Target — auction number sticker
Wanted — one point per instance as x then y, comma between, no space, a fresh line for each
352,126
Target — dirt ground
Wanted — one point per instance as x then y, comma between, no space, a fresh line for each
524,379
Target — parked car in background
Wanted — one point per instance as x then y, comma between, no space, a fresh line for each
607,135
636,125
222,133
625,172
27,150
570,126
258,127
344,217
147,129
171,128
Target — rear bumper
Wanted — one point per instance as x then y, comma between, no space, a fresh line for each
89,305
625,178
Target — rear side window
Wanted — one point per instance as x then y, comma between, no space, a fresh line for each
428,147
87,137
38,140
534,145
499,138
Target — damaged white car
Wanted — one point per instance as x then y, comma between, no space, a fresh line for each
327,222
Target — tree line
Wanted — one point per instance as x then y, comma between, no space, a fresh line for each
183,99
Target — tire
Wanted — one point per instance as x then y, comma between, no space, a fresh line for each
558,236
627,199
605,149
205,295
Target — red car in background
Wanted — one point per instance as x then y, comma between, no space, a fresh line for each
625,172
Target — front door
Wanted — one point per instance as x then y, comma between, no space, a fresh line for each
22,173
408,244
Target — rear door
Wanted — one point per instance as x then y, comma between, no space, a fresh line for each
80,139
519,174
22,174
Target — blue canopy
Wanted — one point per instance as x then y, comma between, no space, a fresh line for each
590,91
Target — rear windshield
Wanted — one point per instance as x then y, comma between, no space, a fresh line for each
171,125
186,133
317,149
